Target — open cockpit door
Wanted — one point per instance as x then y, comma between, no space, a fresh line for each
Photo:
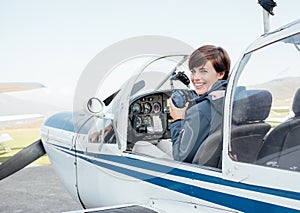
147,74
103,136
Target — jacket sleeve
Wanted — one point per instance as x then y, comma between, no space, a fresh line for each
188,134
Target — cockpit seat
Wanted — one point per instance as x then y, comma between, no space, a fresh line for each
250,109
161,149
281,147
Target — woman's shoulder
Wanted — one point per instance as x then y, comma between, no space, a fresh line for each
201,106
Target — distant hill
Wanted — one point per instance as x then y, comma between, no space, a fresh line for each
28,123
283,90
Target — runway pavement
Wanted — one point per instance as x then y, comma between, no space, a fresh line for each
35,189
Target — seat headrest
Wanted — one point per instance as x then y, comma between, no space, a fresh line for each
296,103
251,105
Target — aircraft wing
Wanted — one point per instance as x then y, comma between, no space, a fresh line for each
117,209
18,86
19,117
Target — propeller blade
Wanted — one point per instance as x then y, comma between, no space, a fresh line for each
22,159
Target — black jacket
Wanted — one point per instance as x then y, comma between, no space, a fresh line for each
202,119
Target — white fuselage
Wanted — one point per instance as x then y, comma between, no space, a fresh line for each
109,177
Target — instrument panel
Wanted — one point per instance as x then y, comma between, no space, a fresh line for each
147,119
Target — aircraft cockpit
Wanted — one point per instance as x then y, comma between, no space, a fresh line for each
152,84
262,99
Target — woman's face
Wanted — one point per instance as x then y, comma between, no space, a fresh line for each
204,76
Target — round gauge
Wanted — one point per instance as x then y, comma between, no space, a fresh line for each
147,107
136,108
138,121
156,107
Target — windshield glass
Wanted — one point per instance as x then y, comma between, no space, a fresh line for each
150,73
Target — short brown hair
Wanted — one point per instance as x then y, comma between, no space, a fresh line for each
216,55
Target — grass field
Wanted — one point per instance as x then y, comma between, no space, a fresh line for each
22,137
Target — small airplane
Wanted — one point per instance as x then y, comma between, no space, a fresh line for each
3,139
250,165
6,87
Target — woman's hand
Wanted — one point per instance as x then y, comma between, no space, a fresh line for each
176,113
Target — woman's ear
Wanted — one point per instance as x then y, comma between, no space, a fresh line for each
221,75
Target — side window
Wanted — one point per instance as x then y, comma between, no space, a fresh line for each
266,107
101,131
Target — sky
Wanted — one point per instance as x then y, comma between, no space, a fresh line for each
52,41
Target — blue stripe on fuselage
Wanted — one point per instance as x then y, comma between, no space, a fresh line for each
228,200
231,201
192,175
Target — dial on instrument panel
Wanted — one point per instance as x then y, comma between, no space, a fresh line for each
136,108
156,107
138,121
147,107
